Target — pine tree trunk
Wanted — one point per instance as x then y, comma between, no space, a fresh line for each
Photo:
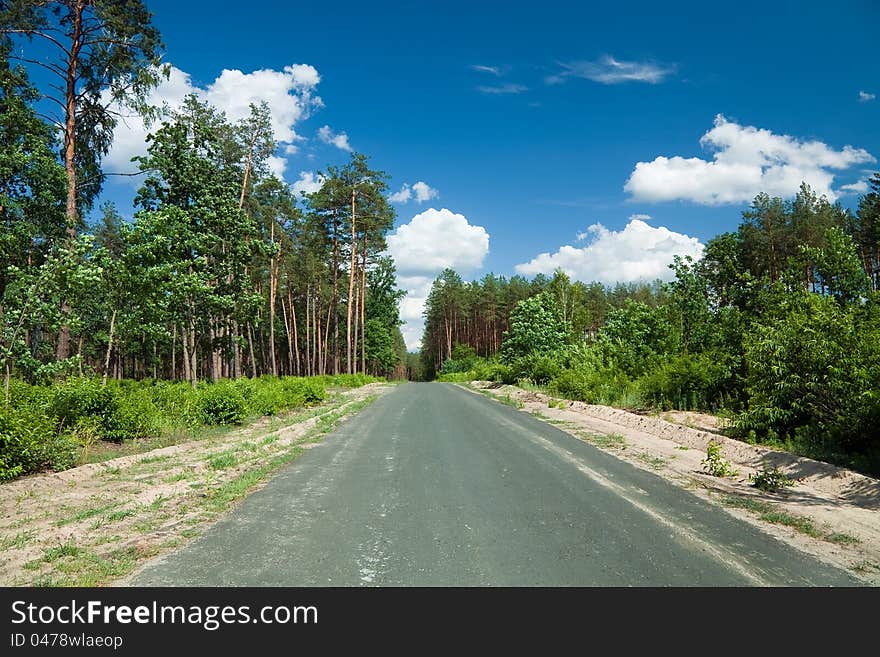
351,275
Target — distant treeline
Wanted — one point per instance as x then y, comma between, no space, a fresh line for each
777,326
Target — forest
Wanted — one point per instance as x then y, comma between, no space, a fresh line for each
776,327
222,273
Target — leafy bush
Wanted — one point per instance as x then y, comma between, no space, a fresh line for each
30,442
684,382
80,398
221,403
771,479
714,464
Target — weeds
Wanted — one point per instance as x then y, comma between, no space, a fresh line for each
771,479
714,464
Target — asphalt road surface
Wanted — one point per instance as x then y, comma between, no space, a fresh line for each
433,485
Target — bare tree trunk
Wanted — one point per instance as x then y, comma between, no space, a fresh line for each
274,264
308,331
109,348
184,339
236,350
351,275
335,304
289,338
354,342
62,349
250,328
193,368
363,308
295,333
174,353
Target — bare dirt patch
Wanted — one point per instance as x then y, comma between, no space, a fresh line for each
92,524
832,513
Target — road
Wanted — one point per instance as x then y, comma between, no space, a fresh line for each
433,485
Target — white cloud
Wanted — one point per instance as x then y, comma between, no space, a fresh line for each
290,94
747,161
402,196
864,96
432,241
308,183
609,70
858,187
419,191
509,88
639,252
492,70
340,140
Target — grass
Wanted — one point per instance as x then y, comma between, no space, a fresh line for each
771,513
84,515
653,462
604,441
18,541
223,460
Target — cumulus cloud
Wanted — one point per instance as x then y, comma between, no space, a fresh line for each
340,140
432,241
419,191
864,96
609,70
308,183
290,94
509,88
747,161
639,252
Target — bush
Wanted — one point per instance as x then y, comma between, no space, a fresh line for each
606,385
684,382
771,479
135,416
80,398
714,464
30,442
221,403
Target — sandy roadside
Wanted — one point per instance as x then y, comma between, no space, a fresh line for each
831,513
93,524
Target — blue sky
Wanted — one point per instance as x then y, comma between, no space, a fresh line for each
528,120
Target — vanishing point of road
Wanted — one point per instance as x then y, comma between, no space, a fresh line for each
433,485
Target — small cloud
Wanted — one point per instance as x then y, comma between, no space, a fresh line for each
492,70
865,97
308,183
419,191
609,70
424,192
340,140
858,187
639,217
509,88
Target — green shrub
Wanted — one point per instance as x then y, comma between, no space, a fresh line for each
135,416
601,386
79,398
714,464
221,403
684,382
29,442
771,479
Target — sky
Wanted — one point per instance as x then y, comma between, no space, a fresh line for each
525,137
